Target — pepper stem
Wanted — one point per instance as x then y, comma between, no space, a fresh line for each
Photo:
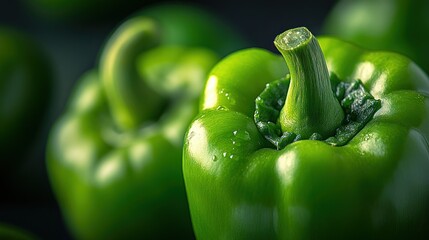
310,105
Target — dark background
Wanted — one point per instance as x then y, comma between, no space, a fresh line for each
73,45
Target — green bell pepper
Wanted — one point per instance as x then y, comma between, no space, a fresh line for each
341,154
25,86
394,25
114,157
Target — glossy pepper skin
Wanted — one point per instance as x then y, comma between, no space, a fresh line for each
114,157
394,25
25,86
374,187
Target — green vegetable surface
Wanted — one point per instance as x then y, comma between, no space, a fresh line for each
394,25
114,157
345,156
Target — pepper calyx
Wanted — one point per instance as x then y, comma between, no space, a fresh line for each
357,103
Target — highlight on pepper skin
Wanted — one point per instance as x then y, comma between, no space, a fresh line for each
117,149
160,123
367,169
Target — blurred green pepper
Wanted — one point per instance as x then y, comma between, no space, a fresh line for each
395,25
114,157
25,86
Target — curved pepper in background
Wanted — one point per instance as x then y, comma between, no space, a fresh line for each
25,87
114,157
373,184
394,25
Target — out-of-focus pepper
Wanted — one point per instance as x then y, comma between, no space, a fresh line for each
114,157
310,155
25,86
394,25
